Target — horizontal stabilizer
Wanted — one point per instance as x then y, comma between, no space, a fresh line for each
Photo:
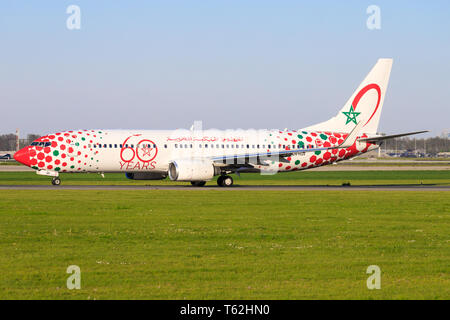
381,138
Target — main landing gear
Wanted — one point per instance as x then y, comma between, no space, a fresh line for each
198,183
56,181
225,181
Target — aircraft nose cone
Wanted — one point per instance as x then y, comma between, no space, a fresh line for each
23,156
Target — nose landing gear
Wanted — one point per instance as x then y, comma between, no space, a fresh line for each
56,181
225,181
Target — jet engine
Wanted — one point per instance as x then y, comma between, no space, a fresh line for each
192,170
146,175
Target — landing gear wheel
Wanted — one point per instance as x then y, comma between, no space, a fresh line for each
198,183
225,181
56,181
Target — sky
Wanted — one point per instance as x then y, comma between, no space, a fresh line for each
231,64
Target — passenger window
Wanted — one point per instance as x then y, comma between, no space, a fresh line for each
110,145
176,145
99,145
165,146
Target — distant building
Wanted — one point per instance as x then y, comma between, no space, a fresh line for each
445,134
443,154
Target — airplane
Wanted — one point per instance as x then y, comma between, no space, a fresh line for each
197,155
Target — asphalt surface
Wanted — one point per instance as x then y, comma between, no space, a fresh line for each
338,167
234,188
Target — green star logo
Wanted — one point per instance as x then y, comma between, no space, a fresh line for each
351,115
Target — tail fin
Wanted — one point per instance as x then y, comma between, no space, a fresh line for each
364,105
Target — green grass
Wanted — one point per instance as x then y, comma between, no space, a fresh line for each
221,245
441,177
410,159
393,165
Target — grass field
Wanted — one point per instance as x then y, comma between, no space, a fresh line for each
221,245
440,177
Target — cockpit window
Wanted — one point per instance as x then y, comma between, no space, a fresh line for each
41,144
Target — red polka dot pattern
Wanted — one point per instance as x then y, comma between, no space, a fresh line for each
74,144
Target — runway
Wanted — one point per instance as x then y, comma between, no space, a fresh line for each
393,166
235,188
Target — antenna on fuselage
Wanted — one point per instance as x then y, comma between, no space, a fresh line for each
197,126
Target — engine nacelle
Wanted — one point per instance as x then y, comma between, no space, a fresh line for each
191,170
146,175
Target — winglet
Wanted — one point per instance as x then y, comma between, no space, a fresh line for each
353,135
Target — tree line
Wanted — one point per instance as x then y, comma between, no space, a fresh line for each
8,141
432,145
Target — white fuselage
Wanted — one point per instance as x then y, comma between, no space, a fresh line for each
153,150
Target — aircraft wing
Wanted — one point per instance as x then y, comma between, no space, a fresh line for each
348,142
258,155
